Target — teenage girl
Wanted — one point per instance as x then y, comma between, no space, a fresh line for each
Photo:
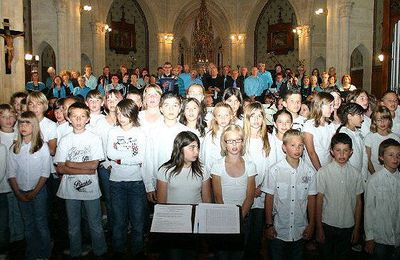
258,150
151,117
282,122
181,179
381,129
192,116
210,148
233,177
126,148
318,130
233,97
28,170
352,116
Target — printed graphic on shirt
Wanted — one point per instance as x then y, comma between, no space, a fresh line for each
79,155
127,144
80,185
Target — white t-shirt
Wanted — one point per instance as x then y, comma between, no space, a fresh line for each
8,138
322,136
161,141
277,154
62,130
396,122
183,188
147,126
233,188
359,158
103,128
298,123
129,147
48,130
365,126
79,148
210,150
4,186
256,154
93,124
373,140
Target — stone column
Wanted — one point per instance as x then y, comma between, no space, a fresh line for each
10,83
332,35
165,41
62,36
305,46
99,53
345,9
74,34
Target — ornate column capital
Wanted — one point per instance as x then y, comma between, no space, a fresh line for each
61,6
98,27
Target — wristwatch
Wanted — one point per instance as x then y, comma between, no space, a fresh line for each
268,226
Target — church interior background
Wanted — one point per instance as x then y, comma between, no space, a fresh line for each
346,34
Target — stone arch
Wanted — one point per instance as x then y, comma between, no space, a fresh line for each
47,59
184,52
184,19
252,17
360,64
152,28
85,60
319,63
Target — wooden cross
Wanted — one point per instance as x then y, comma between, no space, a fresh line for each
9,36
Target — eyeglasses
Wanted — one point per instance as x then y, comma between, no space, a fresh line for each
233,141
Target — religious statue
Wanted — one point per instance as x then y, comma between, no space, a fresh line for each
9,36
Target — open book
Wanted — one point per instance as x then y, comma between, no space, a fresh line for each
204,218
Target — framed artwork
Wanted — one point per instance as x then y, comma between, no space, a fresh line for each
280,38
123,37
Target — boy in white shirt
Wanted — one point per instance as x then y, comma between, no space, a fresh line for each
339,186
77,158
382,205
94,100
292,103
291,189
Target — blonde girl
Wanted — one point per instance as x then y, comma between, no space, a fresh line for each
318,130
283,121
151,116
258,150
233,177
210,149
28,169
381,129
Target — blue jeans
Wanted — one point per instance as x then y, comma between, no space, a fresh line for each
4,231
37,234
128,203
93,211
15,222
104,177
280,249
386,252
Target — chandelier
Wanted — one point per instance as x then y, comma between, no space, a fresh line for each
202,36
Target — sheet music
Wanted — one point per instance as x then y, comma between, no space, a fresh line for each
217,219
172,219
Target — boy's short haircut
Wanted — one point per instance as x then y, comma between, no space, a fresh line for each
79,105
292,133
134,91
19,94
94,93
38,97
384,145
6,107
341,138
291,92
59,103
168,96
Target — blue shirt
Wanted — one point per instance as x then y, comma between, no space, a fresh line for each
31,87
253,86
59,93
266,78
91,82
81,91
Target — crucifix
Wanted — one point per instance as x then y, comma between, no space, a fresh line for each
9,36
